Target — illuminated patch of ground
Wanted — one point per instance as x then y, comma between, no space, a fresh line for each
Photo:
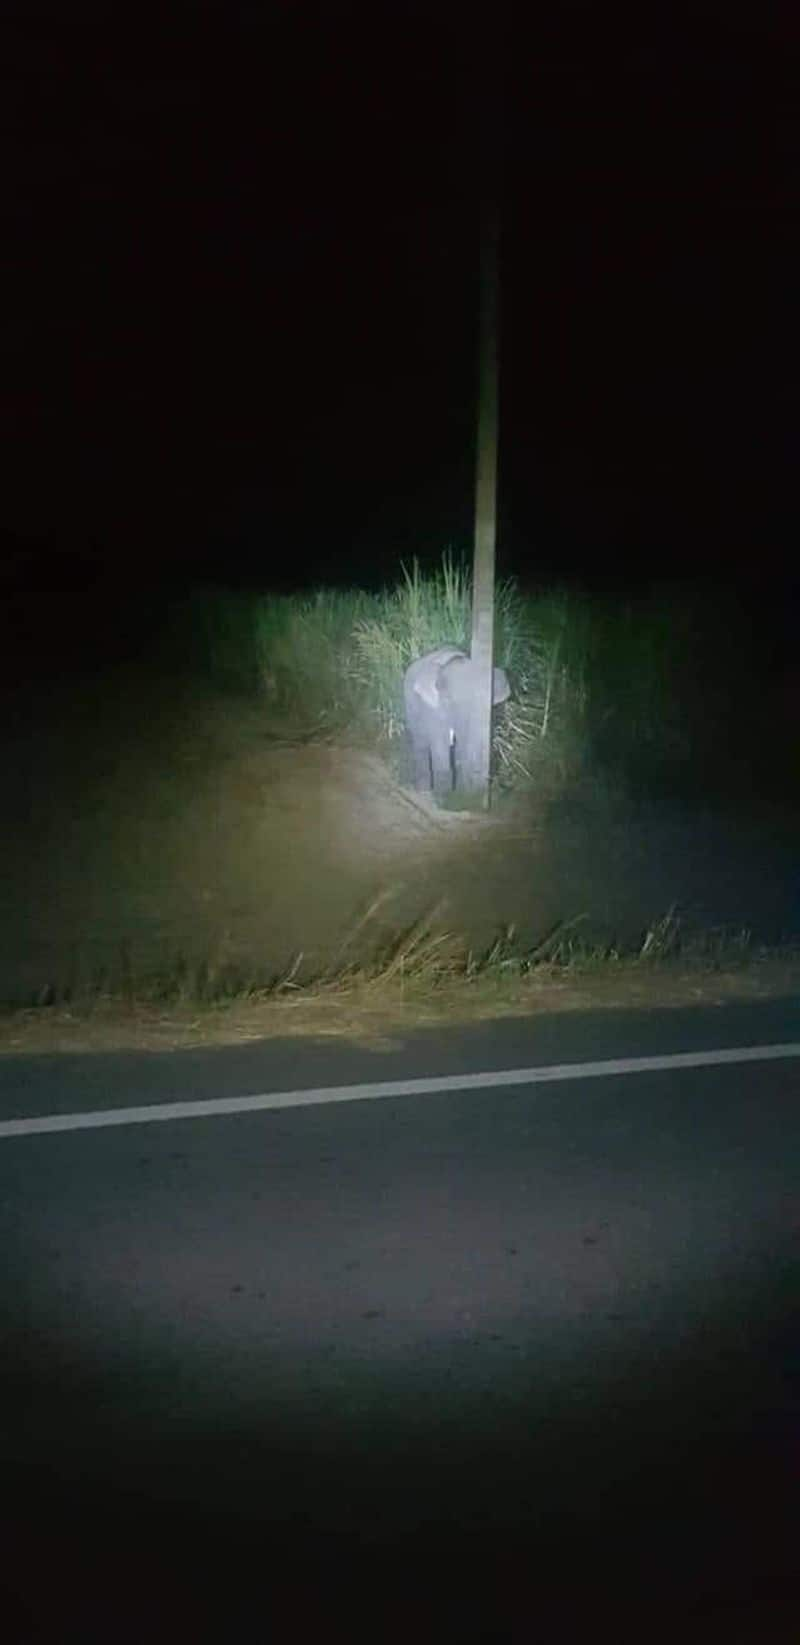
161,831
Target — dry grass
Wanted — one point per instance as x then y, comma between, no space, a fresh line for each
426,979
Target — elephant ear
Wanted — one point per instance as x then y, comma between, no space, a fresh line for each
427,688
450,680
431,683
501,690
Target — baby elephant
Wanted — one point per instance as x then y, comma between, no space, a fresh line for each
440,693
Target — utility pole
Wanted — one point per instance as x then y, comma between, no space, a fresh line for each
476,775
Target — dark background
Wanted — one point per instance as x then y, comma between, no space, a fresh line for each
240,322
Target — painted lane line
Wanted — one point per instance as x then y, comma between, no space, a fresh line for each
212,1107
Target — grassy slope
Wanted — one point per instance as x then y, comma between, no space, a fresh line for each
225,818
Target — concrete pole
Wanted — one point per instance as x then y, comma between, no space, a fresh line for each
476,772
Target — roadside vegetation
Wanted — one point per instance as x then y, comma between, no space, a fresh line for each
663,703
673,693
426,977
333,662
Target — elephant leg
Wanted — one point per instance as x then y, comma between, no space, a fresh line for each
441,757
421,761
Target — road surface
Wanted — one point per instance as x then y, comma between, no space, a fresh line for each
514,1349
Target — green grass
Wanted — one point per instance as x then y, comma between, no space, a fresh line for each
665,693
334,661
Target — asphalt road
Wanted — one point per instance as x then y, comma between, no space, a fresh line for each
473,1363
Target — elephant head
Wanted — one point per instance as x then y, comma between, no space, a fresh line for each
440,691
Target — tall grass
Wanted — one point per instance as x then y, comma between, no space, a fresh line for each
403,623
652,690
294,652
424,612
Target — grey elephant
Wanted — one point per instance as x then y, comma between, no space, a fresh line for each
439,691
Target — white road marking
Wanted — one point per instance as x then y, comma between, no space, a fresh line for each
209,1108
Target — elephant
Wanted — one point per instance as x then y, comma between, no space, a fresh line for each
439,691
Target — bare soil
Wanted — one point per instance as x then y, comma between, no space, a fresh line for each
150,824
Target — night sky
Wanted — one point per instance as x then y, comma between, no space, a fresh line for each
241,243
